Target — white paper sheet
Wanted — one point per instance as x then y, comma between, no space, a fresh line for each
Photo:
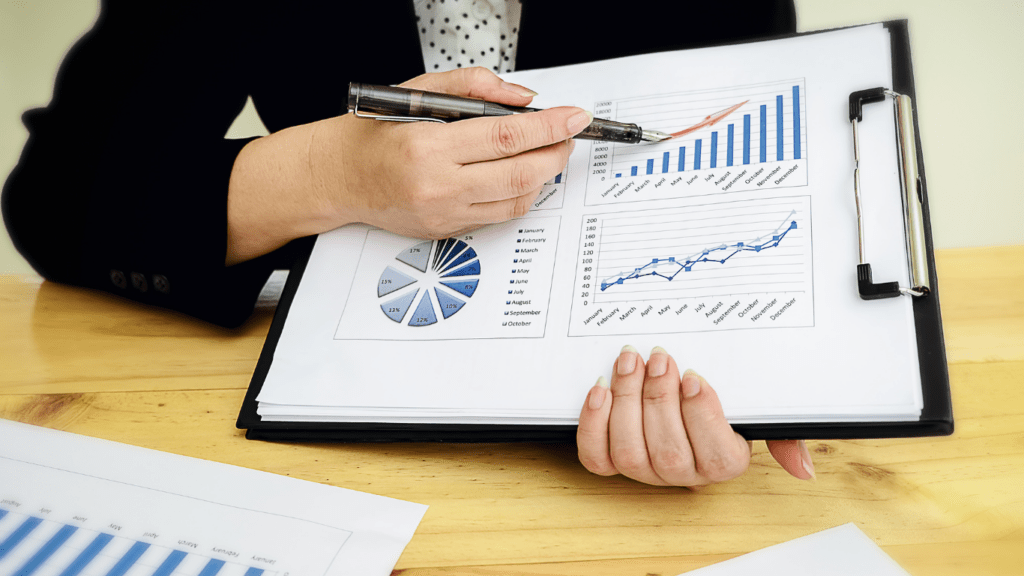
89,505
745,271
840,551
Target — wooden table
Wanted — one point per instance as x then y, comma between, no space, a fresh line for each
89,363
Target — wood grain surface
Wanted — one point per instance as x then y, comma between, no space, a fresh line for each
92,364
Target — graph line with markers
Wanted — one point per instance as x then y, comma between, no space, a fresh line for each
685,264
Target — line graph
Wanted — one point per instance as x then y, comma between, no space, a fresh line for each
738,264
685,264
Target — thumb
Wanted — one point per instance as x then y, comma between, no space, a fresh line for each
474,82
793,456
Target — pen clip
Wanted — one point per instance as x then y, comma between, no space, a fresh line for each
355,110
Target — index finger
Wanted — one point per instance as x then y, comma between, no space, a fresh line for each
491,138
474,82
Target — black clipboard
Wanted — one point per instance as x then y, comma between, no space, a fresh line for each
936,414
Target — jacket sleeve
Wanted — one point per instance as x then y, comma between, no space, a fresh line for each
123,183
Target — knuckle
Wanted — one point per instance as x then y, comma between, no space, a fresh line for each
675,465
721,467
657,395
506,136
478,74
518,207
597,465
522,178
630,462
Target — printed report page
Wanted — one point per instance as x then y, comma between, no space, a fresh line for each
733,246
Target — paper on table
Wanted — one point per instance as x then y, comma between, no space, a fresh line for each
537,308
840,551
64,496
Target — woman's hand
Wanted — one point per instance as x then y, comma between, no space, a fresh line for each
418,179
659,427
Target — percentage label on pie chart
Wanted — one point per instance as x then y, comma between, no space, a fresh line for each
427,278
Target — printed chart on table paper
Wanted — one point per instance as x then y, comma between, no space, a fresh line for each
738,139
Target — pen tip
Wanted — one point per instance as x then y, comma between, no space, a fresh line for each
654,136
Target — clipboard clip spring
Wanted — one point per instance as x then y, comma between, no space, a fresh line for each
911,193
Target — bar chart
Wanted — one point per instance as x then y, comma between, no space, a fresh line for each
30,545
744,264
61,522
552,193
730,140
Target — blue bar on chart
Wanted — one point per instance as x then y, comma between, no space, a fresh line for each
212,567
714,149
558,179
632,171
18,535
682,158
746,139
44,553
664,163
254,572
696,154
650,165
168,565
87,555
778,127
618,174
129,559
796,122
729,147
764,132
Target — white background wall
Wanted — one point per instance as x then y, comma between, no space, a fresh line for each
969,68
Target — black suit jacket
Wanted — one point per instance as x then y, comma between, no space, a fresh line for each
123,183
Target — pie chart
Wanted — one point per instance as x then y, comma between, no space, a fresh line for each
427,278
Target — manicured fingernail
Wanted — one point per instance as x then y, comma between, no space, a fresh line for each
657,364
598,394
627,360
691,383
517,89
805,459
579,121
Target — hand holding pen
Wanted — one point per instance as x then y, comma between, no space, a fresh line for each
403,104
428,180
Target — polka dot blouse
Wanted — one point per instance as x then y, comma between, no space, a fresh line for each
464,33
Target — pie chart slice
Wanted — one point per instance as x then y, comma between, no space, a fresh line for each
396,309
449,304
424,314
471,269
464,287
417,256
392,280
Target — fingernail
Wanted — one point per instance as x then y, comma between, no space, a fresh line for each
627,360
598,394
657,364
805,459
691,383
579,121
517,89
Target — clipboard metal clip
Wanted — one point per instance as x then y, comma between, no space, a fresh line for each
911,193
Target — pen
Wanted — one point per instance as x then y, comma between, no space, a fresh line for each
407,105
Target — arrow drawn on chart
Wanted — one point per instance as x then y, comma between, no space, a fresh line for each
709,120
